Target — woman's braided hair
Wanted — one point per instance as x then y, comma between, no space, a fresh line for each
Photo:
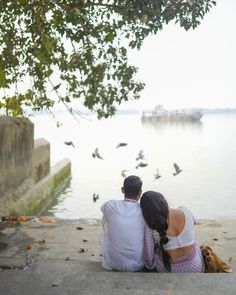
155,211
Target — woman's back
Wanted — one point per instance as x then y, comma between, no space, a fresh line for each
180,233
169,236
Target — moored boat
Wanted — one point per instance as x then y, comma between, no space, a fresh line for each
159,113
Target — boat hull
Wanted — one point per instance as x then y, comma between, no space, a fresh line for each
173,116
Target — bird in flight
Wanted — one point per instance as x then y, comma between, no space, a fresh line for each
177,169
95,197
123,173
141,164
121,144
69,143
56,87
96,154
140,156
157,175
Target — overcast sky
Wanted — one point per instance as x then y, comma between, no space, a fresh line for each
196,68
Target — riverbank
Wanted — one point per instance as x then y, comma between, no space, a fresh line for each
52,256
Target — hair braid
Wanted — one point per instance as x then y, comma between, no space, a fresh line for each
155,212
165,255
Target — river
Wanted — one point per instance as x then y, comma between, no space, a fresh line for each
206,151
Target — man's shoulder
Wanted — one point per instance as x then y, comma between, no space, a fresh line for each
109,204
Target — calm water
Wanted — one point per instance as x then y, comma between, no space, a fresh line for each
205,151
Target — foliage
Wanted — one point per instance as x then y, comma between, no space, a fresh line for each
82,45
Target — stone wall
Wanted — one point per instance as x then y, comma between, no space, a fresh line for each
16,147
26,178
41,159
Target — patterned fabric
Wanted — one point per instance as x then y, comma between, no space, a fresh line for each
191,262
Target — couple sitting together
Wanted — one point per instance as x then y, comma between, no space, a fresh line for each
149,235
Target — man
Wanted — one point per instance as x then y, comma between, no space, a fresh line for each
123,229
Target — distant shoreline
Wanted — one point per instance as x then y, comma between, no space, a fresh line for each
205,111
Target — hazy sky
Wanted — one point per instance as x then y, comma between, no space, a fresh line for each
196,68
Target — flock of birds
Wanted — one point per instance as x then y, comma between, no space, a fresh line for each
141,163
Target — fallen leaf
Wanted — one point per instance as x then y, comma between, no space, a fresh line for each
84,240
81,250
23,219
41,242
29,247
5,266
79,228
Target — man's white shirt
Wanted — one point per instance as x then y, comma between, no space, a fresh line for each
122,237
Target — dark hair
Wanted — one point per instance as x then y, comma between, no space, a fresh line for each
155,211
132,186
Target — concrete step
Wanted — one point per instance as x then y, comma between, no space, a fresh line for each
78,277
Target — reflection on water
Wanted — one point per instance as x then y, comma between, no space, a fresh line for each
205,151
163,124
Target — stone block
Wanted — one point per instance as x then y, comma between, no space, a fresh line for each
16,148
41,159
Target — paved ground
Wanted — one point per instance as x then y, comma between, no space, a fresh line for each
50,256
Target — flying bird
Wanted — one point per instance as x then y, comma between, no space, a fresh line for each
141,164
121,144
140,156
177,169
157,175
123,174
56,87
69,143
96,154
95,197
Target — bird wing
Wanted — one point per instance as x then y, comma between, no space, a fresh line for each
176,167
100,157
121,144
143,164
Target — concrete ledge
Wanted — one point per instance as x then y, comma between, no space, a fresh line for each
40,159
11,203
47,187
16,146
60,267
42,190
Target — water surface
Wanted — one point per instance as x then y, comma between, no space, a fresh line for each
205,151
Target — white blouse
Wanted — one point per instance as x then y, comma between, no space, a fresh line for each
185,238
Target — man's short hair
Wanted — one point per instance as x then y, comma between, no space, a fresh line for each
132,186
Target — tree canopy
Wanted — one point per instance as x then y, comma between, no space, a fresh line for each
55,51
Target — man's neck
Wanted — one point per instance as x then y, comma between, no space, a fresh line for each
134,200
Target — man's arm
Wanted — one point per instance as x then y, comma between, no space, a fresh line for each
107,209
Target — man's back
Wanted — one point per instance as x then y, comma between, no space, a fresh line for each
123,235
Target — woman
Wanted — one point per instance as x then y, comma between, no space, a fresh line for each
169,236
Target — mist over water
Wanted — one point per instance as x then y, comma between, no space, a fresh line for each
205,151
